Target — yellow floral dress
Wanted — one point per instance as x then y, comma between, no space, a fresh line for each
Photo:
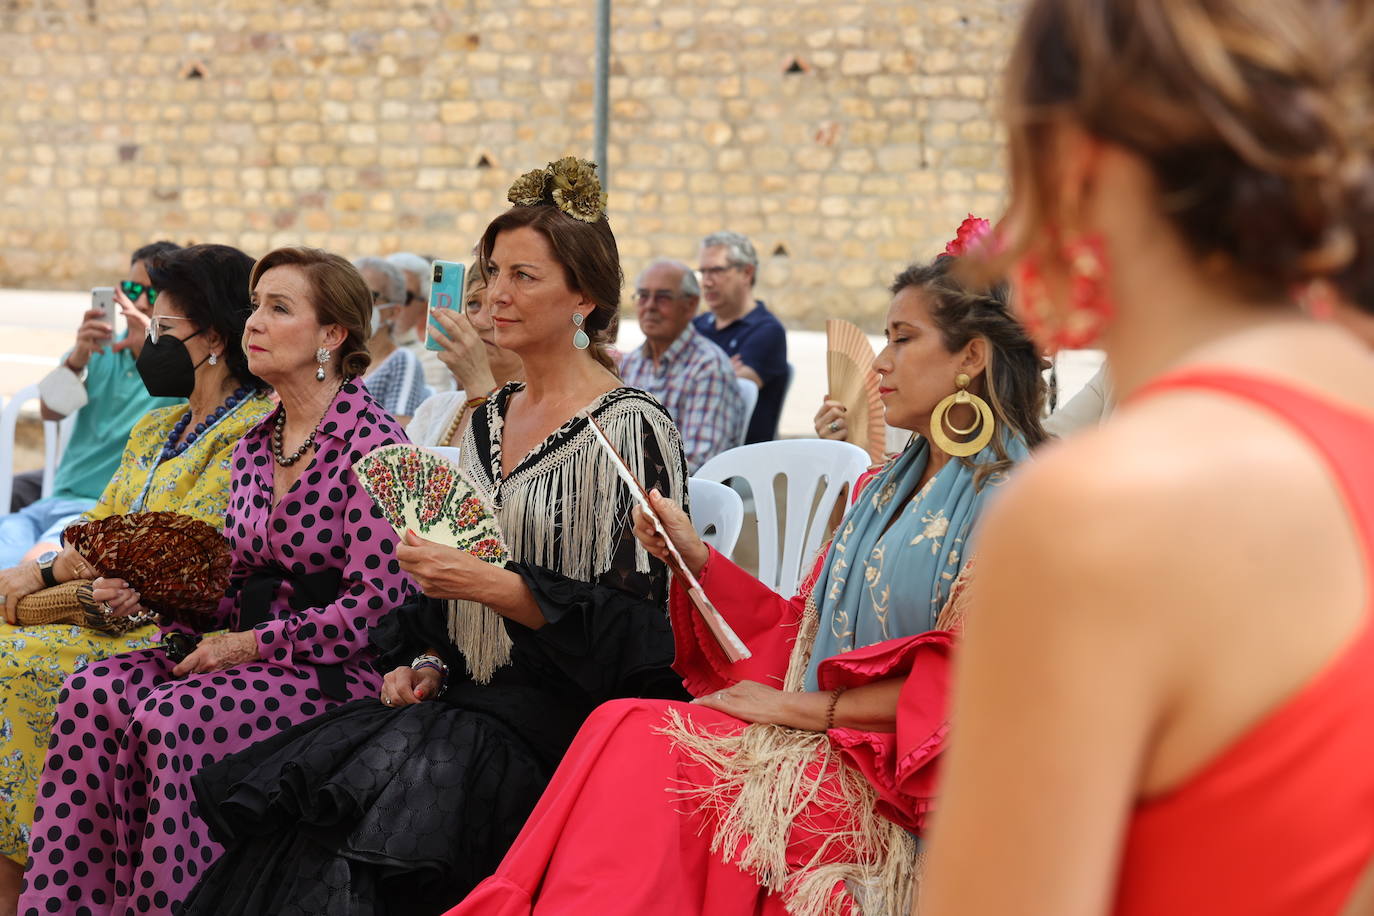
34,661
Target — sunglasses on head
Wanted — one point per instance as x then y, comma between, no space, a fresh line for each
134,290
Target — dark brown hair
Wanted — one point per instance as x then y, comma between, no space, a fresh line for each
1013,380
338,295
1246,111
590,259
209,283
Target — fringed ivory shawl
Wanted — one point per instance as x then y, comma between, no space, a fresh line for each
563,507
766,779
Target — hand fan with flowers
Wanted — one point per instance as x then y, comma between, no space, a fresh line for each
419,490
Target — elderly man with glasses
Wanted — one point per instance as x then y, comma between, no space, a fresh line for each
743,327
690,376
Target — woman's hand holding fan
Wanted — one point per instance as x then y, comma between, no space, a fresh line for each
853,384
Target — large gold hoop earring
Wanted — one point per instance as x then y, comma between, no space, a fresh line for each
984,425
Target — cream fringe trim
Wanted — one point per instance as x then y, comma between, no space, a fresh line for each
766,777
564,512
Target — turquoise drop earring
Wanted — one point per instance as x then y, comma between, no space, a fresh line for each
580,338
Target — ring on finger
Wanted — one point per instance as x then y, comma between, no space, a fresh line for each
834,426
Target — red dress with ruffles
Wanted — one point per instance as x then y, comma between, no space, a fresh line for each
1281,823
611,834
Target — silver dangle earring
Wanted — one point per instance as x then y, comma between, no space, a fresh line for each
580,338
321,356
214,359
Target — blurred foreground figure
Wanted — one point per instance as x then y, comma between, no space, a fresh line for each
1165,703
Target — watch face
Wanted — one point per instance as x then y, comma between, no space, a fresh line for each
47,557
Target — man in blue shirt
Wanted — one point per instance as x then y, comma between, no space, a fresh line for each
743,327
116,399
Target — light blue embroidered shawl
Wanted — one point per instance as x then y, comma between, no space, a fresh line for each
889,570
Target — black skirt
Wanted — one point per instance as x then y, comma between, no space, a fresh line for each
369,810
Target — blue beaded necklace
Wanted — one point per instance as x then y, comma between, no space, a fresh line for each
173,448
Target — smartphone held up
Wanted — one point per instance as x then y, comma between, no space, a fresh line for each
446,292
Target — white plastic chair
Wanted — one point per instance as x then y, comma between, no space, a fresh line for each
717,513
750,392
55,435
807,466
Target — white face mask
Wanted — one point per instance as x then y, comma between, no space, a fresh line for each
377,321
405,337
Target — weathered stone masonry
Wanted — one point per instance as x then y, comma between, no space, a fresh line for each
845,138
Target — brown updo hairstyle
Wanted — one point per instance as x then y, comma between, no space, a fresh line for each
1246,111
590,259
1013,380
338,294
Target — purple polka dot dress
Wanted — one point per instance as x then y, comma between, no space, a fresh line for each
114,830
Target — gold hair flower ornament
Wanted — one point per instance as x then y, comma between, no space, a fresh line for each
570,184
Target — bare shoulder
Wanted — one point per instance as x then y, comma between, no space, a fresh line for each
1177,496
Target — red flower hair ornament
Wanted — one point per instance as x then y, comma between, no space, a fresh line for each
974,232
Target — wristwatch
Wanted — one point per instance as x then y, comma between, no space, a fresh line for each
45,564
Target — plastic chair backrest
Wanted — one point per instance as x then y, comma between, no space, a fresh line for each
717,513
750,392
807,466
55,435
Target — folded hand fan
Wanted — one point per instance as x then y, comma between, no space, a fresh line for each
849,361
728,640
419,490
178,564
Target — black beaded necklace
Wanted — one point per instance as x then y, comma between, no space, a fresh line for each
287,460
176,445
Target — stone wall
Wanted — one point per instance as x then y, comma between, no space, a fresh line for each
845,138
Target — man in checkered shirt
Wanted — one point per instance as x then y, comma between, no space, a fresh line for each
691,376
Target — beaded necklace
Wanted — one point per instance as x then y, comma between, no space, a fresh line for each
173,448
287,460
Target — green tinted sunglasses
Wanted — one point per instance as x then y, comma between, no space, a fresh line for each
134,290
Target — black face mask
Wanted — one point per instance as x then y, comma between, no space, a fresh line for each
166,367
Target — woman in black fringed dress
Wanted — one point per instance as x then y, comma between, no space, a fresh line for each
403,808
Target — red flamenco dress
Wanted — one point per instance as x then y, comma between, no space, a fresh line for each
672,808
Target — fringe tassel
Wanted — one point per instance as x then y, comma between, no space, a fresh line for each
767,782
480,634
560,513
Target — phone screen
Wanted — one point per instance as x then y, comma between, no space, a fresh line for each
446,292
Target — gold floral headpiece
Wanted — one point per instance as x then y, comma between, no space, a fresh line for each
570,184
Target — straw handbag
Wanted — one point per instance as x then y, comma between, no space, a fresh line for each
72,603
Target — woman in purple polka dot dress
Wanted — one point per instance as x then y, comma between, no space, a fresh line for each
314,567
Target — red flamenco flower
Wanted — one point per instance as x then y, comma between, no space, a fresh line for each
973,231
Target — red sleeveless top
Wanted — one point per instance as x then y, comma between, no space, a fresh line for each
1281,823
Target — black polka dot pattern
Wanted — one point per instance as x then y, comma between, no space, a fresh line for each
115,828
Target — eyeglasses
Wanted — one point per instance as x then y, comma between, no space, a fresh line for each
660,296
134,290
716,273
412,297
380,301
155,330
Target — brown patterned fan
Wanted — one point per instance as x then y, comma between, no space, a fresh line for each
849,362
178,564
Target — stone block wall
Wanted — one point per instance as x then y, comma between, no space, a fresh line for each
844,137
